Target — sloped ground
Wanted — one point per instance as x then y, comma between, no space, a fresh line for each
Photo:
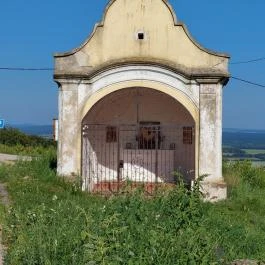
53,222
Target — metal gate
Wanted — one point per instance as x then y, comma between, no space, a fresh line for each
115,157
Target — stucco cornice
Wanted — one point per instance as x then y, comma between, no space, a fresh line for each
208,74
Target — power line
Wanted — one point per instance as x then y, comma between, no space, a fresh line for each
246,81
25,69
242,62
52,69
249,61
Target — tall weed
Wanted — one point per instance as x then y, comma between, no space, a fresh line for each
51,222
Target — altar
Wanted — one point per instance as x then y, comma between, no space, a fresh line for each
148,165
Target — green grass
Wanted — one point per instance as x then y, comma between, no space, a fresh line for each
11,136
25,150
254,151
13,141
254,161
234,158
52,222
258,164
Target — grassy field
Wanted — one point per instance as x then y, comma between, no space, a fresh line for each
234,158
24,150
13,141
256,156
53,222
258,164
254,161
254,151
242,145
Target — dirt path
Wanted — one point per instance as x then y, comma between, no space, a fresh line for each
247,262
9,159
4,199
4,195
13,158
1,248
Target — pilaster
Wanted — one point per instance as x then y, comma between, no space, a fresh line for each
68,163
210,154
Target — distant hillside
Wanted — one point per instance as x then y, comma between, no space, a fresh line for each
244,140
233,130
40,130
231,137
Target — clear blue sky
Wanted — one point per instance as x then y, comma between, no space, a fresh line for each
32,30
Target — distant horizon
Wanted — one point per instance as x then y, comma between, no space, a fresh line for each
45,125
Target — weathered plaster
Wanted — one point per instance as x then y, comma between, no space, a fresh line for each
210,131
68,129
165,41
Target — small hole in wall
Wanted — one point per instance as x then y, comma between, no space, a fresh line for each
140,36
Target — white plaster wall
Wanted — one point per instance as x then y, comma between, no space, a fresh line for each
68,129
210,155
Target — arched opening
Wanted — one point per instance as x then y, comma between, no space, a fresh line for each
137,135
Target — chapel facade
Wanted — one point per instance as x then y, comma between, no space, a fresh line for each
140,101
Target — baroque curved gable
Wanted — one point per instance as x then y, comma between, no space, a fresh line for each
141,31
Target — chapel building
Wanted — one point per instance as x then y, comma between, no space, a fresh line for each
140,101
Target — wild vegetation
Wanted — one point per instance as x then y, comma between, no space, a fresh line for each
13,141
53,222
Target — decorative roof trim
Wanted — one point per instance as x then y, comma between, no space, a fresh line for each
190,74
180,24
177,24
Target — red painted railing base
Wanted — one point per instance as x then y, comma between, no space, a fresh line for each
106,187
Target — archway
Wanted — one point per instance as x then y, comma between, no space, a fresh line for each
137,135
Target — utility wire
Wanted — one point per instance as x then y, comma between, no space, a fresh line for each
246,81
52,69
249,61
25,69
242,62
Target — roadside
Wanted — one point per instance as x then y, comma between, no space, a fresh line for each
4,200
